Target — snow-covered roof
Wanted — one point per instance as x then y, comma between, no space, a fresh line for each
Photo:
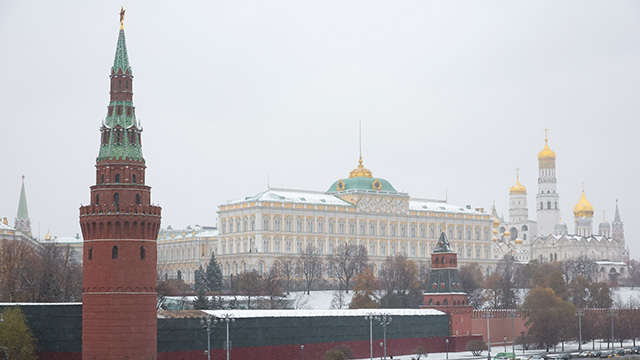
35,303
242,314
610,263
293,196
439,206
207,233
6,227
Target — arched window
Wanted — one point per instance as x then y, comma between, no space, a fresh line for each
119,84
102,179
116,199
117,178
90,252
138,199
548,204
445,302
127,84
97,199
143,253
437,260
133,178
114,252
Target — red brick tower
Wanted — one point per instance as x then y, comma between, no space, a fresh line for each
120,228
445,292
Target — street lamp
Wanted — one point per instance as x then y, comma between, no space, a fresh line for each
207,323
447,342
301,352
522,340
384,319
227,318
579,314
370,317
487,316
505,344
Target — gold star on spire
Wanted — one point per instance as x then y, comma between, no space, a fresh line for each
122,10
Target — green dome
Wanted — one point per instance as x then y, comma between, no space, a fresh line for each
361,183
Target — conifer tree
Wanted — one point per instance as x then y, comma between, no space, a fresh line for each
16,336
213,275
201,302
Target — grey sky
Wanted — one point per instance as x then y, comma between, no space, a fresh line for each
452,95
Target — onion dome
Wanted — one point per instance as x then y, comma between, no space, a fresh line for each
546,154
560,228
518,188
496,223
507,233
495,239
518,241
583,208
495,231
604,225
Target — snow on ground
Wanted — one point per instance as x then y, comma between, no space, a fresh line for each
319,300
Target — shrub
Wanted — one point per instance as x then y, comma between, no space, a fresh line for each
476,347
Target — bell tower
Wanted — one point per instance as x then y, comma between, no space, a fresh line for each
120,228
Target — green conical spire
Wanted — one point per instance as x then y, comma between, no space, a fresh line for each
23,212
121,62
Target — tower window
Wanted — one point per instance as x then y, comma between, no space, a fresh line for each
548,204
97,199
114,252
129,110
119,110
119,84
143,252
138,199
116,199
117,178
127,84
133,178
90,252
102,179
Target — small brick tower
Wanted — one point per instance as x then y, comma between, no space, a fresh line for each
445,292
120,228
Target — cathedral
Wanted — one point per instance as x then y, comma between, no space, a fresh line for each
548,238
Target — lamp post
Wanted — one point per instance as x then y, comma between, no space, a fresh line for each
579,314
370,317
207,323
505,344
447,342
385,319
228,318
522,340
612,314
301,352
487,316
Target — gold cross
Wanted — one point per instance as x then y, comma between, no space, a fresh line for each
518,173
546,133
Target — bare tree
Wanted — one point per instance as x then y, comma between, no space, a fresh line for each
273,289
347,262
287,271
311,266
249,283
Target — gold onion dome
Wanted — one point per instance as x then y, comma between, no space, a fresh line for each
518,241
360,171
495,231
583,208
507,233
496,223
546,153
518,188
495,239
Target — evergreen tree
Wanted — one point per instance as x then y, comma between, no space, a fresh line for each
200,279
201,302
213,275
16,336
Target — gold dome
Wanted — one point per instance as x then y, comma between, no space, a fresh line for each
496,223
546,153
495,239
360,171
518,241
518,188
495,231
583,208
507,233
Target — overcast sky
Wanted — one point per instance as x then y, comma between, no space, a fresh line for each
453,97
